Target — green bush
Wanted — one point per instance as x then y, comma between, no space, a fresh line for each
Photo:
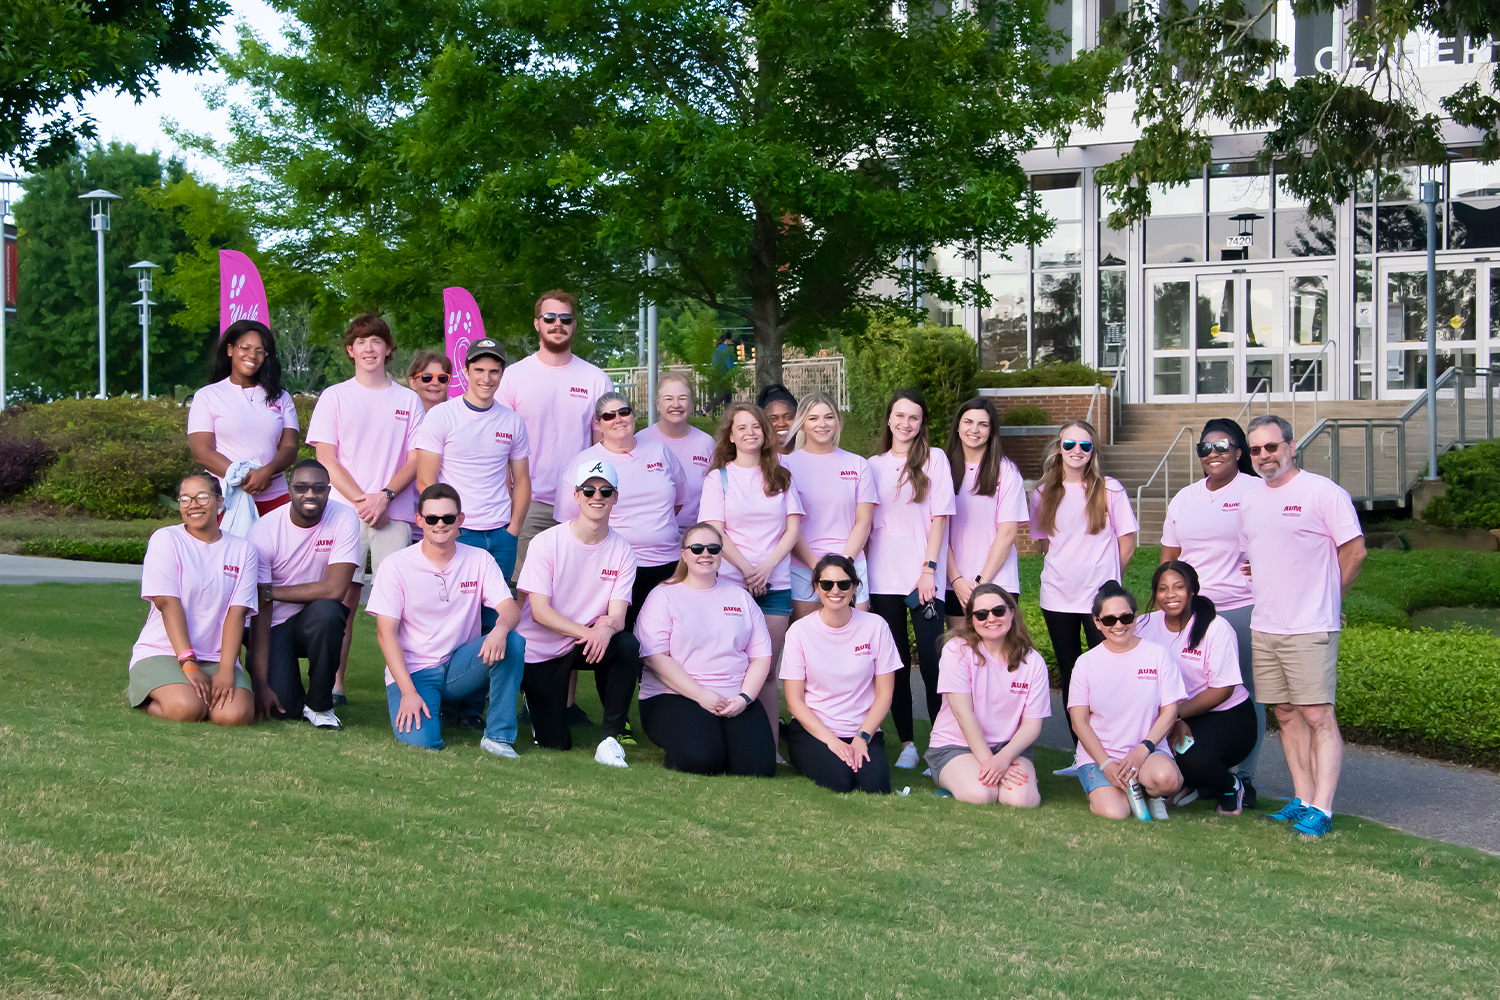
1046,373
1473,497
131,551
940,360
1026,416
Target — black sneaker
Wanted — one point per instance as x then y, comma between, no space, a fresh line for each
577,717
339,699
1249,800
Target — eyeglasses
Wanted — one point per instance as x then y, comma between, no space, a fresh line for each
1084,446
698,548
442,586
435,518
566,319
604,491
1207,448
1110,621
623,411
828,585
1269,449
316,489
196,500
999,611
442,378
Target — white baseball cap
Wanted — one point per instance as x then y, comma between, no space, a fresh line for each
596,468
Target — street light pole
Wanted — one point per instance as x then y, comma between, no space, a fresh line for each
1430,199
6,180
99,200
651,347
143,269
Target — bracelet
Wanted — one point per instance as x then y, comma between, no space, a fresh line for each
187,654
748,700
1150,747
188,666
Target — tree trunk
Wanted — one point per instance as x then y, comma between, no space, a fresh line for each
765,299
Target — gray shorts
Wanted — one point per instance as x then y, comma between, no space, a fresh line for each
940,757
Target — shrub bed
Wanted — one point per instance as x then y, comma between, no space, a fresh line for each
1047,373
1473,496
132,551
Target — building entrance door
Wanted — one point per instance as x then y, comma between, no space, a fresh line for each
1468,321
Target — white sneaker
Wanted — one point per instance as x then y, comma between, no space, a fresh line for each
1158,807
909,757
1071,771
1183,797
610,752
322,720
499,749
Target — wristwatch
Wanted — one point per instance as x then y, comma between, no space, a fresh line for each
389,494
1150,747
865,736
748,700
932,565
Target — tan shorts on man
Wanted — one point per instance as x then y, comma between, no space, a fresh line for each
1295,669
538,519
377,543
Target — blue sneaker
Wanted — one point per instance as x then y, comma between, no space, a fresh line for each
1292,812
1314,823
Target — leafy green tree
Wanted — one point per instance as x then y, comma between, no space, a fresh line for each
54,53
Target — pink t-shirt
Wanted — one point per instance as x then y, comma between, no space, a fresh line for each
753,521
207,579
839,666
829,487
373,430
438,609
1206,526
693,452
476,447
290,556
972,530
712,634
652,482
1002,698
1291,535
558,407
243,426
1215,663
898,540
1077,563
1125,693
579,580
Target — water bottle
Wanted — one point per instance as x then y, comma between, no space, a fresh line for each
1138,802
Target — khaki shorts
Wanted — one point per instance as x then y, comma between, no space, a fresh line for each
151,672
538,519
377,543
1295,669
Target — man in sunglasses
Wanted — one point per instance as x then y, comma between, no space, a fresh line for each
554,392
1303,544
577,583
308,550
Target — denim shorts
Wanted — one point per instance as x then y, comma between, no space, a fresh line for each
1091,775
776,602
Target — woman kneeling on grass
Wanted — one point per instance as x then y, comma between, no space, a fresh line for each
839,668
201,585
707,654
997,694
1123,701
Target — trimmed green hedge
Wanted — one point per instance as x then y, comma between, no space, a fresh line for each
131,551
1473,496
1047,373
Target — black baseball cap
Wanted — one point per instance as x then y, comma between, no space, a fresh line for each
483,348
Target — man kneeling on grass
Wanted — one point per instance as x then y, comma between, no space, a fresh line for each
426,601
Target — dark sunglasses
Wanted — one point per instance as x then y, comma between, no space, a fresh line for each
828,585
1110,621
566,319
316,489
1085,446
999,611
1207,448
698,548
623,411
1269,449
435,518
442,379
604,491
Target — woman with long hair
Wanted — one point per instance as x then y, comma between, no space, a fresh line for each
1082,521
750,499
780,407
1215,725
707,655
909,550
989,508
996,694
244,415
1203,529
693,448
837,490
428,376
838,671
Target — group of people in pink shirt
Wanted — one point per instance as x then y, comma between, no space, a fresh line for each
706,568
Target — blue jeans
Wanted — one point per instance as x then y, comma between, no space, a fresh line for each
464,675
501,544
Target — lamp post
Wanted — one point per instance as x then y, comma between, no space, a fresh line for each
99,200
651,324
143,269
1430,194
6,180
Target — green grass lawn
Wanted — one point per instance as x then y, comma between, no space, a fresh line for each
148,859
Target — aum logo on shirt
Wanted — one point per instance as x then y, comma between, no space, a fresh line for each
701,460
469,587
503,437
849,474
1146,673
578,392
863,649
322,543
1193,652
656,466
608,575
733,609
1020,687
1292,510
1231,505
403,414
231,570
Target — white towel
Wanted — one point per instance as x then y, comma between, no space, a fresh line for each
239,507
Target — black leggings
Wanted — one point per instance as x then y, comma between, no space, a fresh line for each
893,609
812,757
1220,741
700,742
615,677
1062,628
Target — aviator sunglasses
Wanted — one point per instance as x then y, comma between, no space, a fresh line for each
828,585
566,319
1269,449
698,548
604,491
623,411
999,611
1220,447
1084,446
1110,621
442,379
435,518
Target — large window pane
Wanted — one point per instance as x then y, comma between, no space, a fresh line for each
1167,377
1403,228
1406,305
1113,243
1059,195
1057,327
1309,310
1216,314
1172,241
1063,247
948,262
1171,311
1112,285
1266,313
1182,199
1238,187
1215,376
1401,184
1312,51
1301,234
1242,236
1002,324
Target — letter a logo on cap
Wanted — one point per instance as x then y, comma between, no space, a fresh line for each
596,469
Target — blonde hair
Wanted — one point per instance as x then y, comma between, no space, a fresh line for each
797,435
679,378
1096,502
680,573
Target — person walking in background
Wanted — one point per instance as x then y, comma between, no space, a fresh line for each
1202,529
989,509
307,552
693,448
837,491
1082,521
908,551
428,376
780,408
721,382
363,431
839,669
554,392
1304,545
707,654
244,415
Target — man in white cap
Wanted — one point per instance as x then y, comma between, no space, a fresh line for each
578,578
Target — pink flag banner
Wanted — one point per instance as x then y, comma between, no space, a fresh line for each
462,326
241,294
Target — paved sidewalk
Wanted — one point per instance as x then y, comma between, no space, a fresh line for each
34,569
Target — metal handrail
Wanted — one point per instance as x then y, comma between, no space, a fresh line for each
1164,464
1330,342
1265,384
